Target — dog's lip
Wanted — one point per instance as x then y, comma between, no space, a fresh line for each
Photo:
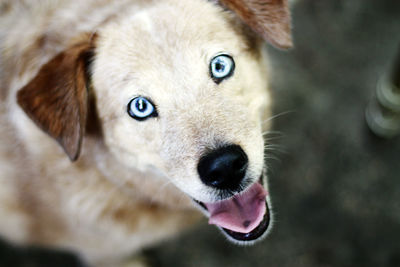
253,235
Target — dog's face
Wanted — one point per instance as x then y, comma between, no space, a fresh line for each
180,87
169,66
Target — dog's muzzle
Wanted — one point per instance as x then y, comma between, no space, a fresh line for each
245,216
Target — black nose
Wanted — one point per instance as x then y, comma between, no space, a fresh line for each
223,168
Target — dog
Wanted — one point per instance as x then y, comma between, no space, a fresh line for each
123,121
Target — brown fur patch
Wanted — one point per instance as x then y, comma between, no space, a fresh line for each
269,18
5,7
56,99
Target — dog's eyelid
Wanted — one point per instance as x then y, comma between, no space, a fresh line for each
221,53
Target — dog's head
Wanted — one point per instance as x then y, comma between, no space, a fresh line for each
179,86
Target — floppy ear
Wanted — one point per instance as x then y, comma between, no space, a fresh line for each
56,98
268,18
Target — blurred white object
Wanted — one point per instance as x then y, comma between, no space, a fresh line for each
383,112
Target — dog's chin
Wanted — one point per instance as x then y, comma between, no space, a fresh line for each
258,231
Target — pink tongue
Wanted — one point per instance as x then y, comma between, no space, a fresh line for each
242,213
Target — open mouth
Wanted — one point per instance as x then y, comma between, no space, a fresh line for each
245,217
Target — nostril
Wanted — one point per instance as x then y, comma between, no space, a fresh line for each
223,168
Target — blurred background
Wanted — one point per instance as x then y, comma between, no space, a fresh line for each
334,185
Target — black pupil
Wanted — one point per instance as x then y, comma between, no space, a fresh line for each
219,66
141,105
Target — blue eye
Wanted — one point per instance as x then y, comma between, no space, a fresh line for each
221,67
140,108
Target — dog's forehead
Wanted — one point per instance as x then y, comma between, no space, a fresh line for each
167,48
167,35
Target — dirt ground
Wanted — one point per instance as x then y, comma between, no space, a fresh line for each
335,187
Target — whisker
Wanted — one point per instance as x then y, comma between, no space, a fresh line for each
278,115
270,152
271,157
269,132
271,149
267,139
270,146
276,147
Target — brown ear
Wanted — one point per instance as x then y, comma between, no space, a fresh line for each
268,18
56,98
